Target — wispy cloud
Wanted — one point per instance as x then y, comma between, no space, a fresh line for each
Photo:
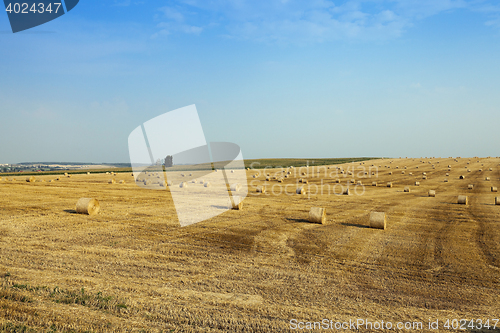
294,21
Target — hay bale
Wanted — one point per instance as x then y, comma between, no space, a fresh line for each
305,181
462,200
447,174
235,187
237,203
254,176
417,183
112,181
406,189
461,177
183,185
193,181
374,183
207,184
190,175
261,189
87,206
88,173
268,178
359,182
183,175
170,183
497,200
390,173
300,190
487,178
389,184
491,169
30,179
493,189
346,192
66,174
470,187
146,182
432,193
424,177
445,180
317,215
337,181
232,171
410,173
377,220
58,178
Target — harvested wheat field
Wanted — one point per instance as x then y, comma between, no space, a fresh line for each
132,268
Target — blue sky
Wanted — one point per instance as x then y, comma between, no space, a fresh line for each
281,78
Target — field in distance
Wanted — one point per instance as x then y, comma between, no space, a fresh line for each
132,268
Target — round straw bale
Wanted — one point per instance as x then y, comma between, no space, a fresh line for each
112,181
491,169
402,172
424,177
317,215
87,206
346,192
377,220
237,203
389,184
202,181
193,181
374,183
353,181
261,189
497,200
254,176
50,181
470,187
480,170
122,181
162,184
417,183
183,185
447,174
190,175
487,178
432,193
468,170
301,190
207,184
305,181
268,178
170,183
58,178
424,173
493,189
406,189
232,171
461,177
462,200
146,182
66,174
235,187
410,173
182,175
390,173
88,173
337,181
30,179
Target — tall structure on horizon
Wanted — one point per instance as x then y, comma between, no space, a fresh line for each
169,162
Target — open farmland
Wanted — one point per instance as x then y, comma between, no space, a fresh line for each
132,268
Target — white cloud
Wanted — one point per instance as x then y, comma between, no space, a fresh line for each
296,21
